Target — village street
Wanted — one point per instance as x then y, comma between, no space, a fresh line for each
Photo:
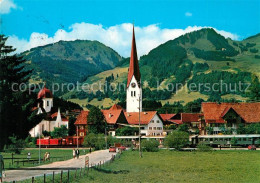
94,158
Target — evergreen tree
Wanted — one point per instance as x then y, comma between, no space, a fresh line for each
16,116
255,89
96,121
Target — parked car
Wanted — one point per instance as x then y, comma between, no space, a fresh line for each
123,148
251,147
112,149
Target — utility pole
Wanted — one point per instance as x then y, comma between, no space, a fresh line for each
39,144
77,137
106,136
140,150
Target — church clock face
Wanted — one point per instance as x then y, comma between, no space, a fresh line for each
133,85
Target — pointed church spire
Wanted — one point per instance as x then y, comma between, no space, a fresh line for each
133,66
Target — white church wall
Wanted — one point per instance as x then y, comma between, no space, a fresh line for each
132,97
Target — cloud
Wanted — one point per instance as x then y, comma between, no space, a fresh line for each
6,6
117,37
188,14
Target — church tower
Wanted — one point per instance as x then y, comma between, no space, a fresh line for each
134,88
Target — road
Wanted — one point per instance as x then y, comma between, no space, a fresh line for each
94,158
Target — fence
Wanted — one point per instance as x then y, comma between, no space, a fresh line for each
17,162
70,174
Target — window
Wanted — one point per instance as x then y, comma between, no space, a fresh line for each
154,128
47,103
142,128
150,128
131,93
134,93
158,121
152,121
159,128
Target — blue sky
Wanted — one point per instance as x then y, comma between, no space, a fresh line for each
20,19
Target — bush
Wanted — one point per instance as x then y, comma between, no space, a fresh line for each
59,132
96,141
204,148
150,145
16,145
126,131
177,139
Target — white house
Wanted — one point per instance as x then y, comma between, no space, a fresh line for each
150,122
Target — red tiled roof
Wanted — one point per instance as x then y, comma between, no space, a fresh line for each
45,93
190,117
214,112
176,121
111,116
116,107
166,117
82,118
145,117
133,66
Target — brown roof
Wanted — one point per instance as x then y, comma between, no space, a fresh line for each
214,112
112,116
145,117
166,117
116,107
82,118
190,117
133,66
54,116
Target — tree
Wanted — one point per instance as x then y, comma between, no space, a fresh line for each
16,145
183,128
127,131
59,132
177,139
16,116
255,89
96,141
233,141
150,145
96,121
72,127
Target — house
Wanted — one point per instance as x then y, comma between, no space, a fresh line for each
114,117
150,122
53,117
229,115
191,119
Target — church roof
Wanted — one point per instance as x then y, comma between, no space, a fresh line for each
45,93
133,66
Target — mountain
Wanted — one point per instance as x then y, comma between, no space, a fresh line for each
199,56
70,61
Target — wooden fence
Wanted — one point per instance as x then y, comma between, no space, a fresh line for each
71,174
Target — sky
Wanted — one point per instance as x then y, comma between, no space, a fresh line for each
32,23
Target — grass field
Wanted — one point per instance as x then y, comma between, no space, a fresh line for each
55,155
171,166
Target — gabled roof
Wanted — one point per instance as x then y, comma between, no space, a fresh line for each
166,117
145,117
214,112
190,117
113,116
133,66
82,118
116,107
